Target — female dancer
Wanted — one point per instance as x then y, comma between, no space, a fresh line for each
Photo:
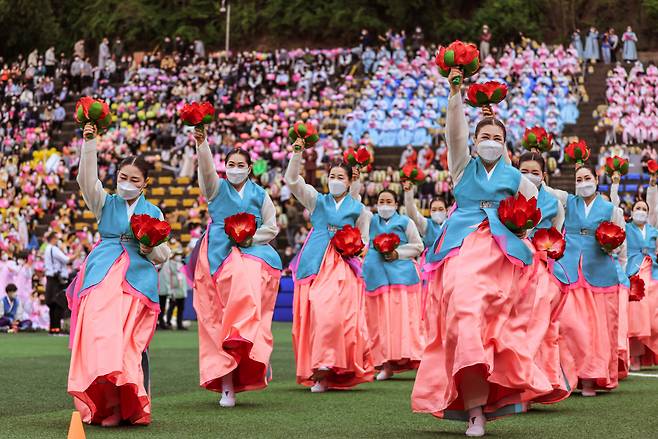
590,318
548,298
393,296
477,365
114,299
641,235
330,336
235,286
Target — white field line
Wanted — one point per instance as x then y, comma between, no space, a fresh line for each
637,374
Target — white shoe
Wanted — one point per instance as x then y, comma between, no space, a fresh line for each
475,427
318,387
228,399
384,375
588,392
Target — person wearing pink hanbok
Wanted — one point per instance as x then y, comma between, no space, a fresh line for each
477,366
330,333
235,284
114,299
642,315
393,292
589,322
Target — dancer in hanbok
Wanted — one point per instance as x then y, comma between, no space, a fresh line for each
235,284
330,334
114,299
393,291
477,365
642,235
590,318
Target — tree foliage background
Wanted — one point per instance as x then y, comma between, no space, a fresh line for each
26,24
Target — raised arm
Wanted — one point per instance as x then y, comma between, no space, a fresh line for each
618,219
305,193
90,186
363,223
456,132
614,189
412,211
652,199
414,247
268,229
208,178
562,196
558,219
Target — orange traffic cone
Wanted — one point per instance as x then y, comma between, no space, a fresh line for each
76,431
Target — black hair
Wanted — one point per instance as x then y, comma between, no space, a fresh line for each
241,152
388,191
533,157
438,200
589,168
345,167
137,161
11,288
490,121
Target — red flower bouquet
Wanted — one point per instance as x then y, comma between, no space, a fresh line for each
464,56
347,241
636,292
577,152
96,111
149,231
386,243
616,164
361,157
610,236
518,213
240,227
551,241
488,93
196,114
537,138
412,173
304,130
652,167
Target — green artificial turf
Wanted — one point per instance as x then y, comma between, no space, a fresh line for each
34,403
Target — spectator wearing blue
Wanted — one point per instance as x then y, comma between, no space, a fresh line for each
12,312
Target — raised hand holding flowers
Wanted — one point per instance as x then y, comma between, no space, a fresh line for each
577,152
464,56
537,138
196,114
303,135
94,111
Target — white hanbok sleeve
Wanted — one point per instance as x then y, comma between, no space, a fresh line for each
617,217
363,223
414,214
457,138
91,187
208,179
305,193
652,200
268,229
414,247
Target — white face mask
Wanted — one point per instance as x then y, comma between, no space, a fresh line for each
127,190
490,150
237,175
639,216
337,187
534,179
585,189
385,211
438,216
